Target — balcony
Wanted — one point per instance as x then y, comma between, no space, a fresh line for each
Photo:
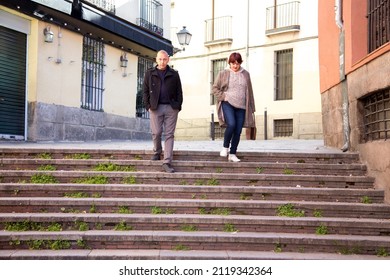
218,31
106,5
282,18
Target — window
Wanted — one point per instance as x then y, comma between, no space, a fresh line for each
378,23
283,74
92,75
377,115
151,16
143,65
217,66
283,128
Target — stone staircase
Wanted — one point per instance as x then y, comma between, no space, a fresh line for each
116,204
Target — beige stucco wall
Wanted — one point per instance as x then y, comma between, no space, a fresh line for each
59,74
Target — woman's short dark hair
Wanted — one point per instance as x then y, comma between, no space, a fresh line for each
235,57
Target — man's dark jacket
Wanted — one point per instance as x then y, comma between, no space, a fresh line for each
152,85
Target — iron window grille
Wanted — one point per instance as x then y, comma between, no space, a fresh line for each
377,115
378,23
283,128
143,65
283,79
92,74
217,66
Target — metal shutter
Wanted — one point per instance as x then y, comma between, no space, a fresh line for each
12,83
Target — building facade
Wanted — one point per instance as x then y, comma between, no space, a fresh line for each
73,70
278,41
354,54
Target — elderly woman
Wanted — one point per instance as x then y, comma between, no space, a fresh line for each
236,104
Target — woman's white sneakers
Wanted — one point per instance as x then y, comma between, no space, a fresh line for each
233,158
224,152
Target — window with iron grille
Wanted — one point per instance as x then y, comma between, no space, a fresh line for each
143,65
217,66
378,23
151,16
92,75
377,115
283,128
283,74
219,131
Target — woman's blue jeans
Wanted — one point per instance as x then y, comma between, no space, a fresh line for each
234,119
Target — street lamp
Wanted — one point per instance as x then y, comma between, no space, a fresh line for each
184,38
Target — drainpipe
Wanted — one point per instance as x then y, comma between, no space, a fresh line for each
344,87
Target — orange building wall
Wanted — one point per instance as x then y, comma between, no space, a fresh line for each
328,45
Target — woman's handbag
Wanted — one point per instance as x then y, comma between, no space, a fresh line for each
251,131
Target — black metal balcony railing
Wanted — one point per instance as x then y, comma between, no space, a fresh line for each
282,18
107,5
150,26
218,30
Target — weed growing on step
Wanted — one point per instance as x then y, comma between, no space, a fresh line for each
278,248
122,226
44,156
366,200
23,226
48,167
70,210
98,226
183,182
382,252
301,161
350,251
54,227
137,157
216,211
157,210
76,195
78,156
16,192
124,210
218,170
81,226
199,182
229,228
181,247
317,213
14,243
43,179
82,244
109,167
288,171
322,230
131,180
58,244
35,244
259,170
213,182
99,179
246,196
189,228
288,210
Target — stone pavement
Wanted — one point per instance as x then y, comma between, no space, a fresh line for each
288,145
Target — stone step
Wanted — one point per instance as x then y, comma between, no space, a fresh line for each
192,206
352,169
145,254
201,240
185,178
368,195
11,222
292,157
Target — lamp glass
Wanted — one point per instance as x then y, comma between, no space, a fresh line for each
184,37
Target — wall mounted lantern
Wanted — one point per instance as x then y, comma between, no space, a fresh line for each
123,60
184,38
49,35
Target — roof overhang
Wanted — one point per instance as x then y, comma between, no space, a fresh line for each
102,25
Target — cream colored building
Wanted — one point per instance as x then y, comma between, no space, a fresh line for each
279,48
73,70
